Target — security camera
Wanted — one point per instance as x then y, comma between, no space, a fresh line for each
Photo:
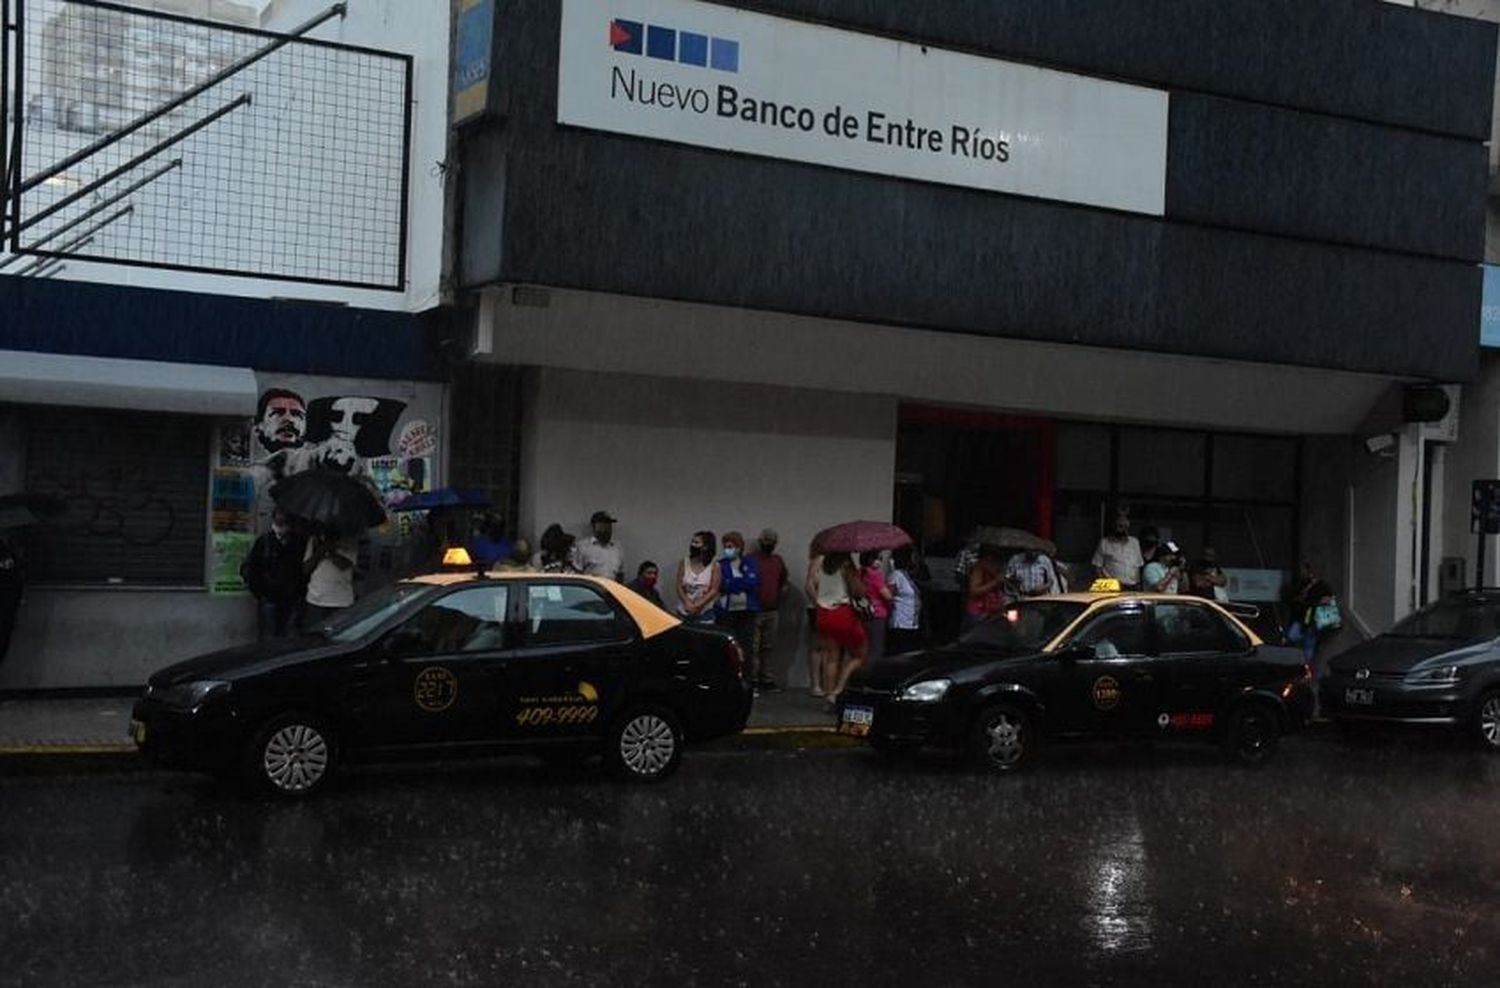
1381,445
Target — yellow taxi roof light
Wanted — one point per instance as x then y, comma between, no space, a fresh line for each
456,556
1105,585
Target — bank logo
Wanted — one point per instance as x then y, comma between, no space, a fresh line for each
671,45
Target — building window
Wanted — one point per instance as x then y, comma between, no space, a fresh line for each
132,488
1237,493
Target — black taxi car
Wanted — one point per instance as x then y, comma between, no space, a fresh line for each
1100,665
1439,667
453,664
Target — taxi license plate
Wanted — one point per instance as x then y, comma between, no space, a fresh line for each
1359,698
137,732
857,720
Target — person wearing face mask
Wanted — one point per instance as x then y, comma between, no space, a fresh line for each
698,580
739,592
645,583
273,573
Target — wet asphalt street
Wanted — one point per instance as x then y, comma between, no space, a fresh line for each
1375,862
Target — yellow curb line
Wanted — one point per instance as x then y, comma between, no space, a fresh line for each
68,749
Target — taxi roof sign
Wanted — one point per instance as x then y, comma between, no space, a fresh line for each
1105,585
457,556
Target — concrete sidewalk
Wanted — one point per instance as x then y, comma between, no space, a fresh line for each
68,727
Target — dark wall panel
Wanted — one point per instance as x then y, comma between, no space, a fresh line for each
679,224
147,324
1252,167
1354,58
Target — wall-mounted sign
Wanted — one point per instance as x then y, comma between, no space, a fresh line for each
711,76
471,61
1489,312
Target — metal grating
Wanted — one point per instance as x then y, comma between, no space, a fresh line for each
294,166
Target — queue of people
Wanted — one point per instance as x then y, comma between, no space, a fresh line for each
1154,565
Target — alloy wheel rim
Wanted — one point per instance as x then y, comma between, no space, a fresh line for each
647,745
1254,735
1489,721
1005,743
295,758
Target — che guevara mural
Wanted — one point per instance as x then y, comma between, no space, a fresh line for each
383,431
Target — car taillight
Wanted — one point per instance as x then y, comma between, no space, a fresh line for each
736,658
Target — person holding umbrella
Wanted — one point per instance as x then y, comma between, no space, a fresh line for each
834,583
336,508
329,566
842,643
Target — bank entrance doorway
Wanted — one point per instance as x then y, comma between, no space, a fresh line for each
958,469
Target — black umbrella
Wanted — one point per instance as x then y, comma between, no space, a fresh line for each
342,504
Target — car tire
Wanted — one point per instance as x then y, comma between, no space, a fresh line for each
1002,738
1252,734
292,756
645,744
1487,721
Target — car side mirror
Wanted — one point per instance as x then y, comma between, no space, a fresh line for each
403,641
1077,651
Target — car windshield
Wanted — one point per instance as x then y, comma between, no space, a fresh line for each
368,613
1025,626
1459,620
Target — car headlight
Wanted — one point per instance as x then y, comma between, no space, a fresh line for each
1441,676
186,696
927,691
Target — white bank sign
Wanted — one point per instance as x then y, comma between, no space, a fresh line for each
707,75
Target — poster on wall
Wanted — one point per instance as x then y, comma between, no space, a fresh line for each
380,431
233,496
230,550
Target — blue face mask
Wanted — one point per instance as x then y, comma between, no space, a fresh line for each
731,553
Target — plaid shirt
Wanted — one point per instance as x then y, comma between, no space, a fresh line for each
1032,578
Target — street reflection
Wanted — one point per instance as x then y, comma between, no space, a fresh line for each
1120,917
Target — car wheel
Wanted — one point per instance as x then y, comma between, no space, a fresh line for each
646,744
292,756
1001,739
1252,735
1487,721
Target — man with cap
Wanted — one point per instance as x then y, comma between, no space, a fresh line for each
600,554
773,590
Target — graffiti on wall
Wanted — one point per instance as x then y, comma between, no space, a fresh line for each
306,423
339,433
110,503
359,434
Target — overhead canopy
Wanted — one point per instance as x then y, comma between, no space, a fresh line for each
107,382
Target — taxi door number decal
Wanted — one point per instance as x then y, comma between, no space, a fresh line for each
1106,693
435,689
581,708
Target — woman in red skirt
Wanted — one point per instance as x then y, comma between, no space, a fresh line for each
832,585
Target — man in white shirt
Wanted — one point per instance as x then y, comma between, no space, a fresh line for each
329,565
1119,555
600,554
